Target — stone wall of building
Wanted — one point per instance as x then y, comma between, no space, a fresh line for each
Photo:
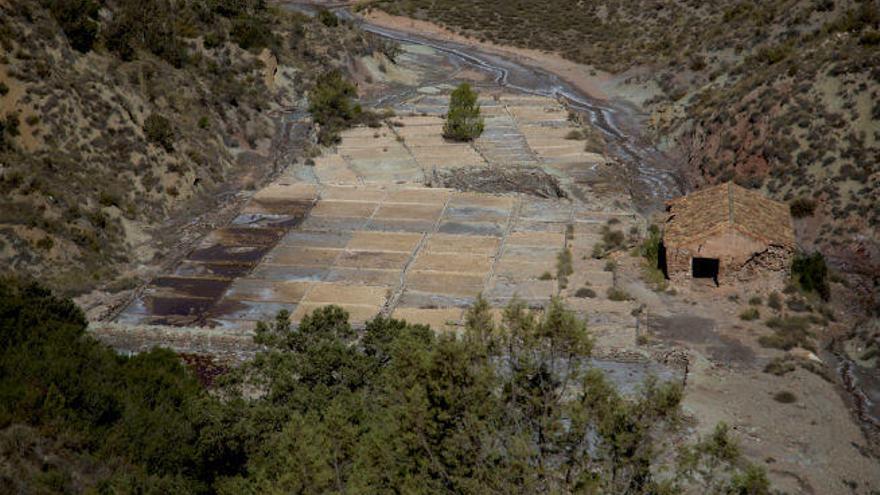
741,257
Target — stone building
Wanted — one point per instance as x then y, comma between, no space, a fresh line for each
726,233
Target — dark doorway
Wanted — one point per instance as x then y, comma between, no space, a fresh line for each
705,268
661,260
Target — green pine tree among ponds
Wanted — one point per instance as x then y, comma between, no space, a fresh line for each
463,121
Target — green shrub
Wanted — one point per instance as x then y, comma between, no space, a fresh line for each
140,411
811,273
774,301
827,312
4,89
789,332
756,300
654,277
332,105
463,121
785,397
773,55
78,20
616,294
650,248
546,276
697,63
147,25
802,207
872,350
390,48
750,314
328,18
613,239
780,366
870,38
856,19
251,32
109,198
585,292
9,128
214,38
564,266
232,8
45,243
158,130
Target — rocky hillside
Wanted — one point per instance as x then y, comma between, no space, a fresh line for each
118,115
782,96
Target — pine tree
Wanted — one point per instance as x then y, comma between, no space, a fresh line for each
463,122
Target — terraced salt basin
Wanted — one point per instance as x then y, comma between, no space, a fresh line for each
360,229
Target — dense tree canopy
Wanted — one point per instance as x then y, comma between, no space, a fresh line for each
513,407
811,272
463,121
333,106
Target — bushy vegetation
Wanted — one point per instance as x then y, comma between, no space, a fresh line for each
701,462
785,397
564,267
159,130
145,418
749,314
781,366
802,207
811,273
650,251
328,18
774,301
181,83
585,292
506,407
650,247
613,239
617,294
788,332
162,28
9,129
463,120
333,105
78,19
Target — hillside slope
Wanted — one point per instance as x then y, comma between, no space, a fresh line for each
780,96
118,115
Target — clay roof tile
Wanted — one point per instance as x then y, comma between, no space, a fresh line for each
700,214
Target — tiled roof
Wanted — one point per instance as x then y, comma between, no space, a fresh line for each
703,213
